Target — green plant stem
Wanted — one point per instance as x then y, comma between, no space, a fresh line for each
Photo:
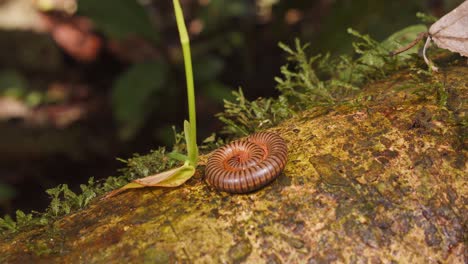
184,40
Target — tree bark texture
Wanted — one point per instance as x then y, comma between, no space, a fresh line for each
379,180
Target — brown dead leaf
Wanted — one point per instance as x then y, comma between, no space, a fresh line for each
74,34
451,31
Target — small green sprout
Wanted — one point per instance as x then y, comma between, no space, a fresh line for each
177,176
190,128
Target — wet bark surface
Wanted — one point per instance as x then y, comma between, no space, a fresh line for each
382,179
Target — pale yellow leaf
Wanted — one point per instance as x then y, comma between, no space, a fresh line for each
131,185
178,178
170,178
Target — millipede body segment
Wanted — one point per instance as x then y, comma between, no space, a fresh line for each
247,165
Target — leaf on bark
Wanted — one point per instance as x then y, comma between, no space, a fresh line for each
171,178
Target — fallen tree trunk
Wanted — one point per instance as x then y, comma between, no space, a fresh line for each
379,180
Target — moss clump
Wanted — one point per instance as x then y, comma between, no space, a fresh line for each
240,251
320,80
64,200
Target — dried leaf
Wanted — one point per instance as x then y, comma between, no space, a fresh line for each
451,31
170,178
131,185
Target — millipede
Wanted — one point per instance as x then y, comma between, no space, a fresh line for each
247,165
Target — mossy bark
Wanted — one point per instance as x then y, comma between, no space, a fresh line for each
383,179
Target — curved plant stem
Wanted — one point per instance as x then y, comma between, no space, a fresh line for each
428,61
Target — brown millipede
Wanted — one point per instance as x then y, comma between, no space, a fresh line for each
247,165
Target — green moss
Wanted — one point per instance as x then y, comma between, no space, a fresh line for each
320,80
156,161
156,256
64,200
240,251
244,117
40,248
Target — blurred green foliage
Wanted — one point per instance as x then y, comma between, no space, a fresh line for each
144,88
131,92
13,84
119,19
6,192
26,51
377,18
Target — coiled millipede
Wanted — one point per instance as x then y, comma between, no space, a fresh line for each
247,165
